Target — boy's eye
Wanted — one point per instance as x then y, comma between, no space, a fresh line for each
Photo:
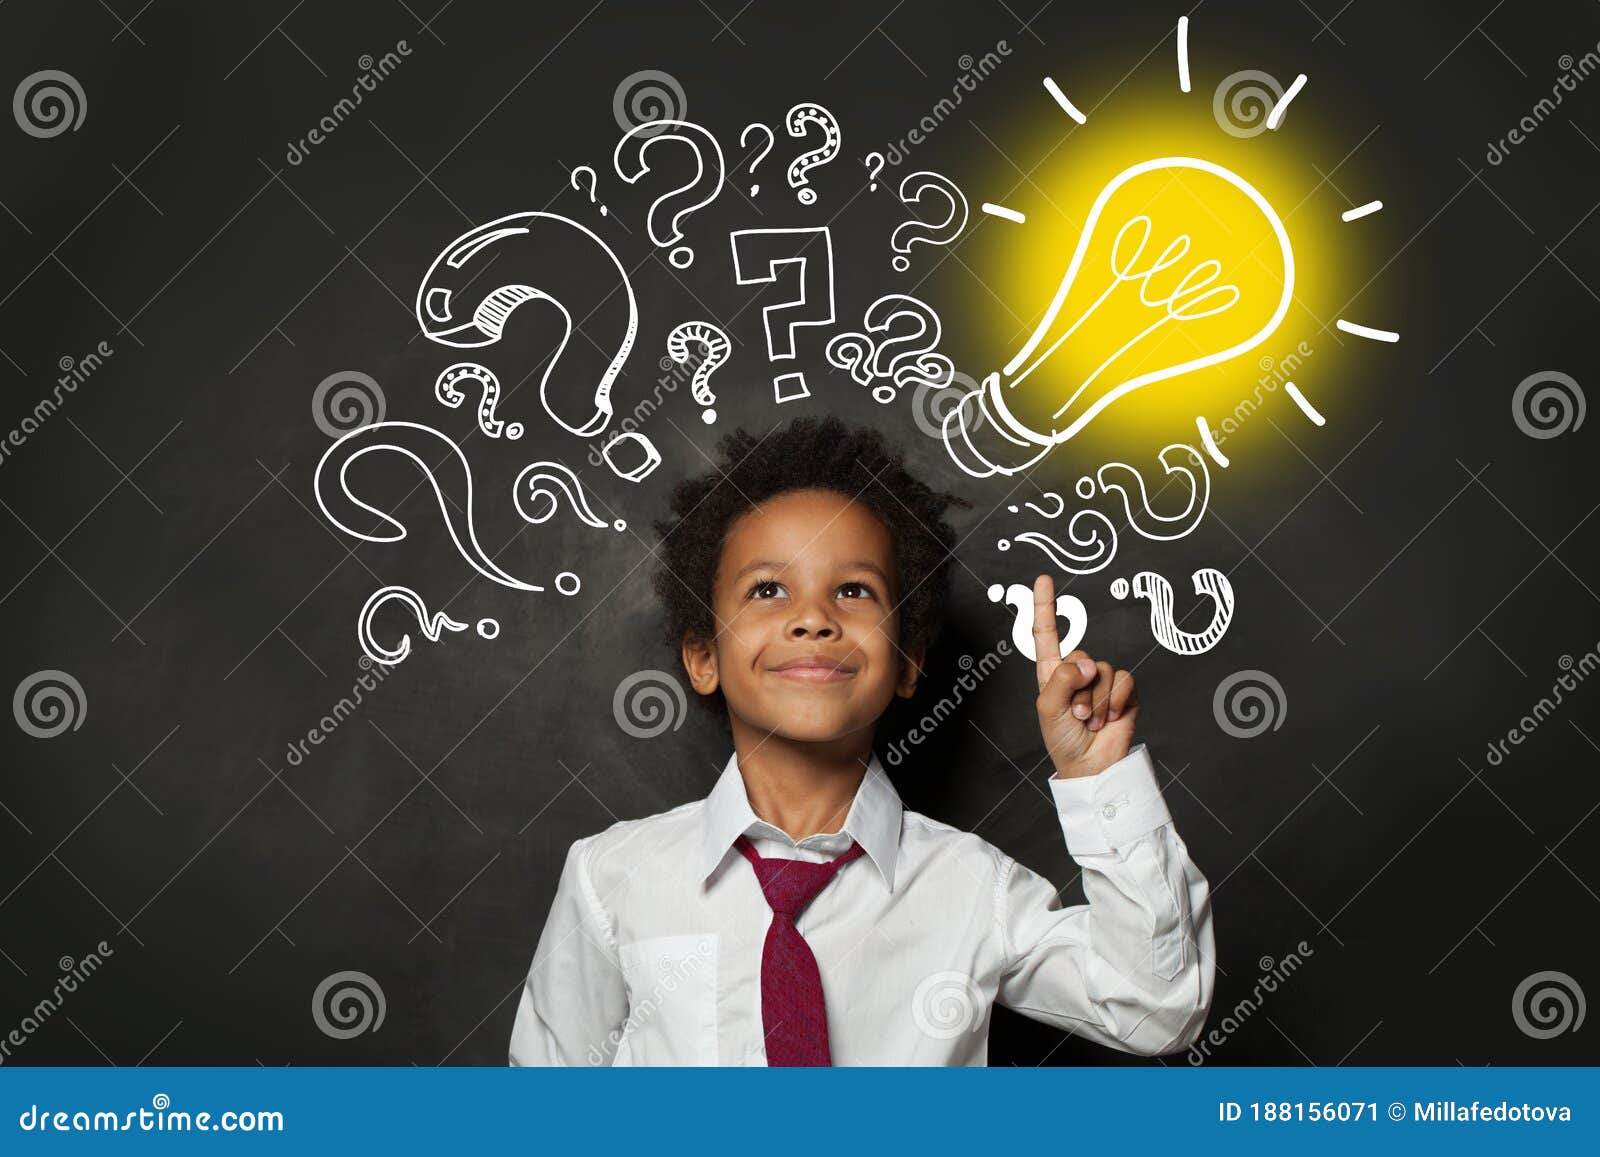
863,588
766,589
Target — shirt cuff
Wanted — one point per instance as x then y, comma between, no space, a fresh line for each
1102,812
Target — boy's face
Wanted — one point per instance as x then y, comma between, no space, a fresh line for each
807,634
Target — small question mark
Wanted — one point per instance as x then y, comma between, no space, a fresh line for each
872,172
718,350
631,164
594,183
542,481
1020,599
432,626
912,190
1207,581
761,156
799,117
449,393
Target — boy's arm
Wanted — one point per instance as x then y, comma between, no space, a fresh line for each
574,1001
1134,967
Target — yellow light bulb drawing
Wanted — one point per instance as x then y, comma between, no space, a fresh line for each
1180,264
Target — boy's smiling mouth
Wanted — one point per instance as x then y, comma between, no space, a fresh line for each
815,668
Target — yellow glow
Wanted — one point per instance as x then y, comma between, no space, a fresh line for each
1022,266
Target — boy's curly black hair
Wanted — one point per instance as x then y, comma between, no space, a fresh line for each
807,454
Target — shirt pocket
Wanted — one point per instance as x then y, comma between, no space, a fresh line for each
672,999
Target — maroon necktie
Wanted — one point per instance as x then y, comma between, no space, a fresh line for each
793,1014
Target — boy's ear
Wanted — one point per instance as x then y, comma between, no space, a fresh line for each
911,667
700,661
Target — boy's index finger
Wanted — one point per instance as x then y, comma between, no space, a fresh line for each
1046,644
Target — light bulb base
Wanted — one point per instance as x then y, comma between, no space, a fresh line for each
983,437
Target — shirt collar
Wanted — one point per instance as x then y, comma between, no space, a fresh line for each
873,820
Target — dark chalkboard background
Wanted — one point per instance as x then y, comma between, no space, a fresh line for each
1413,578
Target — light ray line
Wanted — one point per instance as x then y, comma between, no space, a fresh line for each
1366,331
1183,53
1001,211
1067,106
1361,211
1275,117
1306,407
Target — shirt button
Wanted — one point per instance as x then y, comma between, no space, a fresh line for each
1109,811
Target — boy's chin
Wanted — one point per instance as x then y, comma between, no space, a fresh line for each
807,722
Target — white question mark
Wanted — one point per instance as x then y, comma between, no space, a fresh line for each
450,394
433,626
638,141
718,350
872,172
1020,599
761,156
594,183
1207,581
912,190
542,481
799,117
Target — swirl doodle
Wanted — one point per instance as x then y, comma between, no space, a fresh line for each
540,487
1208,582
432,626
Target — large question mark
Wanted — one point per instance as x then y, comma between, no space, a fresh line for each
1178,460
761,156
542,483
1208,582
432,626
718,349
873,171
800,116
631,163
444,466
594,183
450,394
552,259
1020,599
759,255
912,190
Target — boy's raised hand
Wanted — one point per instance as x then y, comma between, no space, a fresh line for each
1086,709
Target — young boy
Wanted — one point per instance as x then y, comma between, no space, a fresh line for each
803,581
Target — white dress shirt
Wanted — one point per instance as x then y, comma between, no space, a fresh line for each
652,951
